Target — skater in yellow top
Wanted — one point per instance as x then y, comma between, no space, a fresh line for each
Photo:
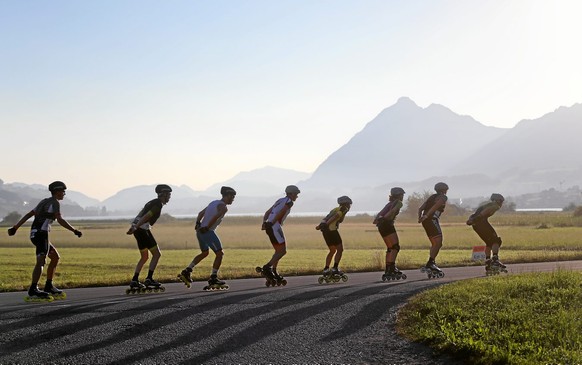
273,225
44,214
329,227
141,230
385,223
429,214
206,223
480,223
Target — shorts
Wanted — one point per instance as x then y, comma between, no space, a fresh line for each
332,238
386,228
145,239
40,240
209,240
275,233
432,227
486,232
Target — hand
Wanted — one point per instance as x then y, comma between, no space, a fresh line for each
266,225
323,227
78,233
469,222
422,218
203,230
198,225
12,231
131,230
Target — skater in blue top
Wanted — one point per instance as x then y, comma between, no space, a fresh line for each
480,223
384,220
206,223
45,213
141,230
273,225
329,227
429,214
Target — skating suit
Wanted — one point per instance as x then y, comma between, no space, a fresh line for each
143,235
45,213
276,234
386,225
210,240
431,224
482,226
331,235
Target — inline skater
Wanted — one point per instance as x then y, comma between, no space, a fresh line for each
329,227
480,223
206,223
46,212
141,230
384,220
272,224
429,214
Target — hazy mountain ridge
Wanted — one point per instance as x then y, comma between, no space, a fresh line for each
405,145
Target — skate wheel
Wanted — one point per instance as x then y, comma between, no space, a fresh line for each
258,269
344,278
441,274
384,278
268,283
320,280
284,282
226,287
403,276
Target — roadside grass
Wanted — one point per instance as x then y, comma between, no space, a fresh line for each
533,318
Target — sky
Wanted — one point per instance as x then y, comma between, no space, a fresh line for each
110,94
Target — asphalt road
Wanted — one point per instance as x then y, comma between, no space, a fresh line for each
301,323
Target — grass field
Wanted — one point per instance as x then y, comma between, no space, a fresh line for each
518,319
105,255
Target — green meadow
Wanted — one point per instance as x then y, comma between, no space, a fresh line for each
105,255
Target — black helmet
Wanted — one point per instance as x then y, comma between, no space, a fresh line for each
163,188
397,191
441,186
292,189
497,197
56,186
227,190
344,200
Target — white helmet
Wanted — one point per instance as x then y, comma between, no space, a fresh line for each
292,189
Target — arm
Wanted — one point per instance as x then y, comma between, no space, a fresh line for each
12,231
439,203
420,210
66,225
199,219
143,220
324,224
265,217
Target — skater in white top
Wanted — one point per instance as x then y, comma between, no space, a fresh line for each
206,223
272,224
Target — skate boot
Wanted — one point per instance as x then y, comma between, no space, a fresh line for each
267,272
185,277
432,270
135,287
280,280
153,286
337,275
215,284
35,295
496,267
55,292
325,276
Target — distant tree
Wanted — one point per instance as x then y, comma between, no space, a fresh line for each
578,212
569,208
414,201
508,207
12,218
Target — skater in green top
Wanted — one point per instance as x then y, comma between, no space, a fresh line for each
480,223
329,227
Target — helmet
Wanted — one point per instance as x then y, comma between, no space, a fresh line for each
292,189
397,191
496,196
441,186
56,186
344,200
227,190
163,188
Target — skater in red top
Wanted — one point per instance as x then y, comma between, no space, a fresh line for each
45,213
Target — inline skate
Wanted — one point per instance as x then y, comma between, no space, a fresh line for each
185,277
267,273
392,273
37,296
215,284
432,271
55,292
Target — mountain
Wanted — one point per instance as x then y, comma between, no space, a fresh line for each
403,143
534,155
